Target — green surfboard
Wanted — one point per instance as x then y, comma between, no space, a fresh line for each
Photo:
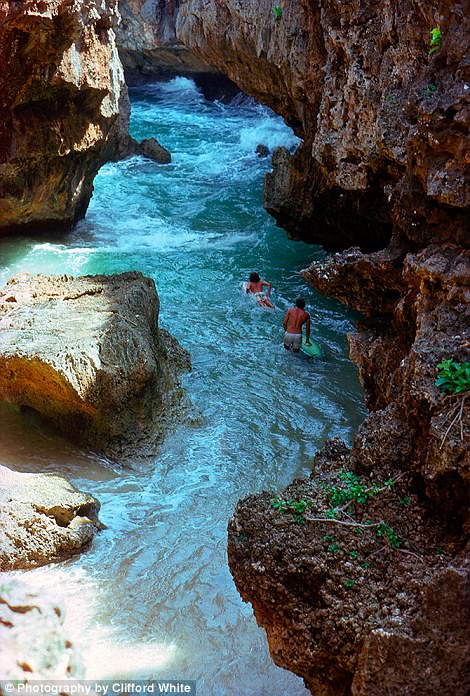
313,351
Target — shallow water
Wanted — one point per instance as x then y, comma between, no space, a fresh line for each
154,596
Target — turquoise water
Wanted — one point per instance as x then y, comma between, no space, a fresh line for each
154,596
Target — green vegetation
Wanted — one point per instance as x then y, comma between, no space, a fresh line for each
296,508
277,14
453,377
383,530
353,491
340,497
349,583
436,40
430,89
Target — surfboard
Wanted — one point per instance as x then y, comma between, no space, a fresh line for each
313,351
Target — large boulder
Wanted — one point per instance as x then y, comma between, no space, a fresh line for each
88,355
33,643
60,86
43,519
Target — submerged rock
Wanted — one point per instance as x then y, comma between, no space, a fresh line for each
149,147
262,150
60,86
33,643
87,354
43,519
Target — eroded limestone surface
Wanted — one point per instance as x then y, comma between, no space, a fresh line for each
43,519
60,86
33,643
347,606
88,355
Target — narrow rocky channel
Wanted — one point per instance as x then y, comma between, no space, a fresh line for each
154,595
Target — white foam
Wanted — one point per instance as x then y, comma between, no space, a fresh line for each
271,132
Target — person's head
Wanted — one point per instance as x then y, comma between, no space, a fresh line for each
254,278
300,303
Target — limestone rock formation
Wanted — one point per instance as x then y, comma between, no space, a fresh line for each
42,519
33,643
384,121
149,147
370,600
417,314
88,355
60,85
148,45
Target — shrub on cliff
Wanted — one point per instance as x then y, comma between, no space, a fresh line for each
453,377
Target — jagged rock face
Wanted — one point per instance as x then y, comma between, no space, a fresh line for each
417,315
343,605
88,355
33,643
384,123
60,85
147,41
43,519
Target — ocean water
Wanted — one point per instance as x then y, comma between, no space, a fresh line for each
153,597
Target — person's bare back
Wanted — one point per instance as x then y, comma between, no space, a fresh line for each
255,286
293,322
295,319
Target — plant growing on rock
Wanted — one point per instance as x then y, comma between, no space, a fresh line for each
453,377
383,530
277,14
353,491
296,508
430,89
436,40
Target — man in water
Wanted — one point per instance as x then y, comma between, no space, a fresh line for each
255,287
293,322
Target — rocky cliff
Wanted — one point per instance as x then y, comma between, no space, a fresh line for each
383,114
148,45
60,85
87,354
360,588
